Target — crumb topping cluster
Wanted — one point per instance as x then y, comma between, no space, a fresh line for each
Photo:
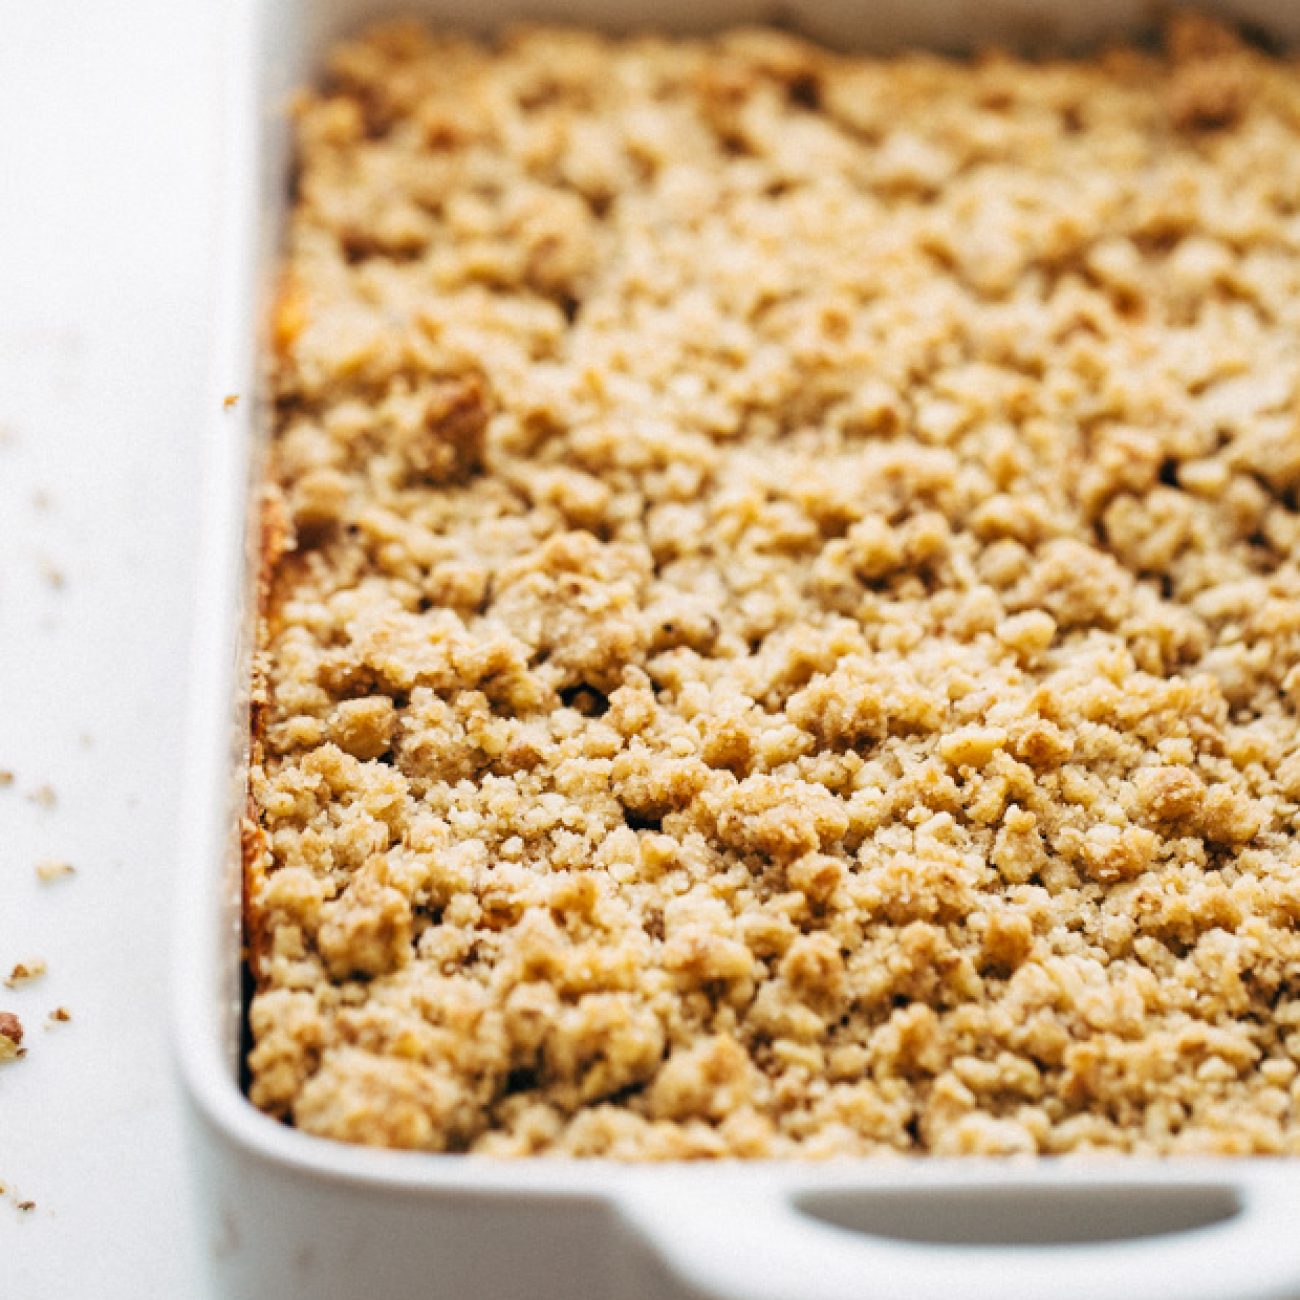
782,610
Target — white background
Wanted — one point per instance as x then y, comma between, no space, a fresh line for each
108,177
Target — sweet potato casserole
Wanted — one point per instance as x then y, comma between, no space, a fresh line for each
781,610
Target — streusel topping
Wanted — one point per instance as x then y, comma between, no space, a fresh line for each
783,602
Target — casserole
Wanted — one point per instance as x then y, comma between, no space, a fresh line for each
758,1228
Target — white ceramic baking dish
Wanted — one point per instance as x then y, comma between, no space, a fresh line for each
288,1215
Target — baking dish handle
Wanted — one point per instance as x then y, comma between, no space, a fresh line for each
758,1244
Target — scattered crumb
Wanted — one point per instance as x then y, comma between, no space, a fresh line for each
53,575
44,796
6,779
24,972
60,1015
42,501
53,869
24,1204
11,1037
232,400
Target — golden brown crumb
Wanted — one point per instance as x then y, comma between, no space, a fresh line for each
26,1206
51,869
11,1037
1212,80
44,797
6,779
53,575
780,608
288,317
60,1015
230,401
24,972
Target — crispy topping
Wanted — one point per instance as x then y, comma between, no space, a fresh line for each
780,628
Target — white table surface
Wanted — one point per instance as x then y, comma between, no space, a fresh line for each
108,151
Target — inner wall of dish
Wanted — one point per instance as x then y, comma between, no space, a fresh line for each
881,26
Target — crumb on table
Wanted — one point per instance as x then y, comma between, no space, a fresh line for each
11,1036
25,972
